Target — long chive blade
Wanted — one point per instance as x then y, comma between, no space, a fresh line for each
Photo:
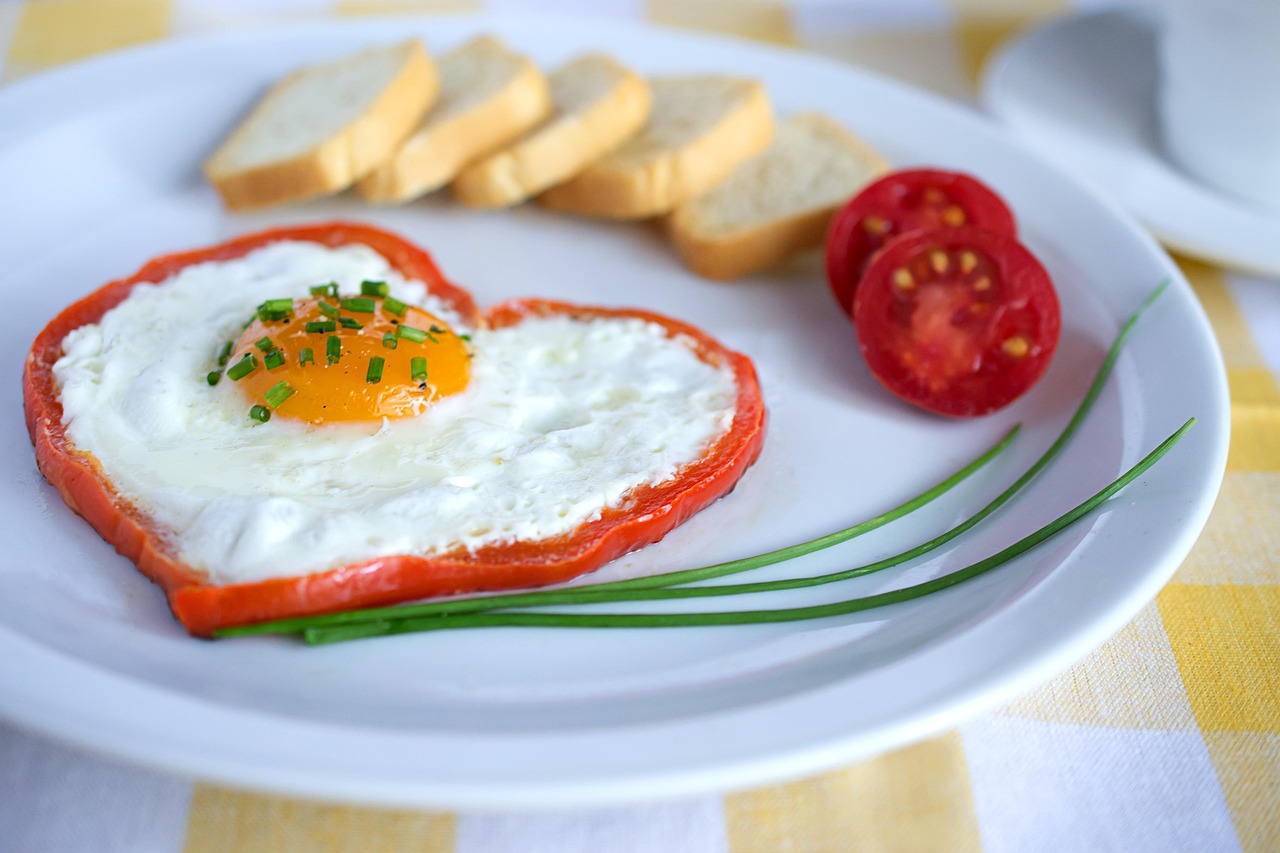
320,635
519,599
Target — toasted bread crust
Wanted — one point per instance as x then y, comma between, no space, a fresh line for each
334,163
433,155
777,204
618,189
735,255
563,146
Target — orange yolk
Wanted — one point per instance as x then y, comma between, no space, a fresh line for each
422,361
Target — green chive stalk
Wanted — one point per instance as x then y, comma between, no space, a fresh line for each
339,633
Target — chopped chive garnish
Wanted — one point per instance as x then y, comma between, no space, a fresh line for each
321,326
261,414
349,323
394,306
465,337
306,356
418,369
213,377
359,304
273,359
436,330
278,393
333,349
409,333
275,309
389,340
224,354
374,374
374,288
328,310
243,367
330,289
264,344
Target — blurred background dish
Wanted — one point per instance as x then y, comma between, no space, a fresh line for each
1083,91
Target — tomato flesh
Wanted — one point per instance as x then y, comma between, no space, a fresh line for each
901,202
959,321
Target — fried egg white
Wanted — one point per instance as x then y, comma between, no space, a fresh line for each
559,419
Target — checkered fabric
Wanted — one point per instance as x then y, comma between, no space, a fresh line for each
1166,738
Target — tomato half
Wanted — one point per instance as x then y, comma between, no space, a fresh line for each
901,202
960,321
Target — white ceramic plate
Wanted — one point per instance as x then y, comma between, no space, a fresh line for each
1082,92
101,169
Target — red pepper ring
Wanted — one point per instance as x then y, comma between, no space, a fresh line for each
647,514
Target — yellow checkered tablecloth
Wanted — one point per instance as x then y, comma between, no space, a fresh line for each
1166,738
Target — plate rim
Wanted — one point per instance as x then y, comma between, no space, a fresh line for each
728,775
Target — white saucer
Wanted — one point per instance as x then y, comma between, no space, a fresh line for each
1081,91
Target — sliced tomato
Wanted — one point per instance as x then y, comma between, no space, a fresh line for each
959,321
646,514
901,202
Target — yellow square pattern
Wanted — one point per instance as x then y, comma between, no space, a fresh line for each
53,32
1248,768
1241,542
226,821
769,22
1227,642
917,798
1130,682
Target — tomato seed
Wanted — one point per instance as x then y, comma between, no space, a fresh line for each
875,225
1016,347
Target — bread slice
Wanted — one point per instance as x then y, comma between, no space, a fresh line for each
598,105
701,129
489,96
323,127
776,204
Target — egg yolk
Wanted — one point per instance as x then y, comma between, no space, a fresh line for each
341,359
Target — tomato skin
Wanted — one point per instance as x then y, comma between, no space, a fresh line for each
900,202
647,515
958,321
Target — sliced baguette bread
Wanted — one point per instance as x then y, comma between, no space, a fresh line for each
776,204
701,129
489,95
323,127
598,105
